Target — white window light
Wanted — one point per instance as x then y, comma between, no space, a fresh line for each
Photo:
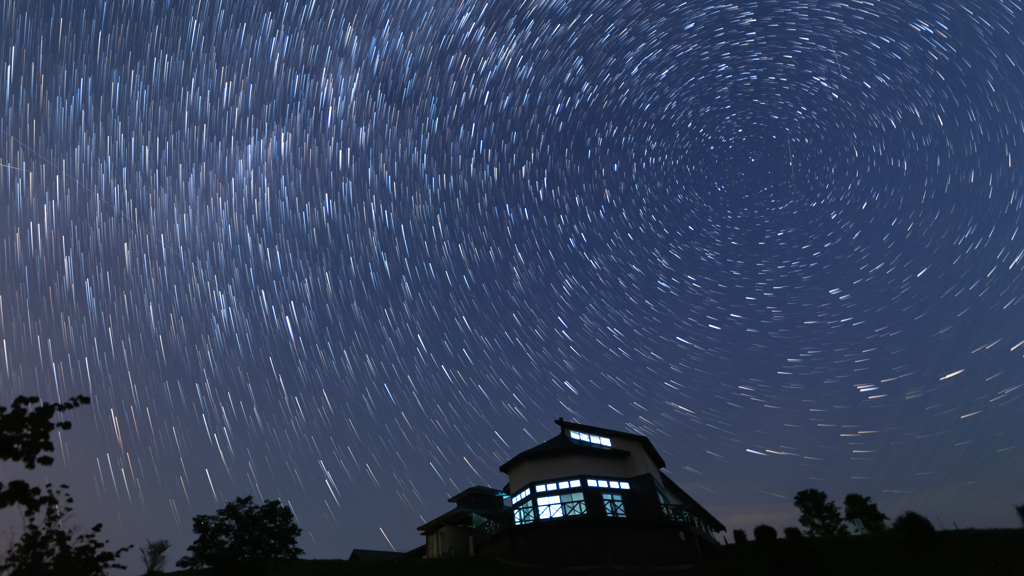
599,440
549,507
594,483
520,496
561,505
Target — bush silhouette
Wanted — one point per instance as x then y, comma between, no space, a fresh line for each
915,528
793,533
154,556
1020,511
739,536
765,534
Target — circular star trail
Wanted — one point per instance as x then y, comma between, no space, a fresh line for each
355,255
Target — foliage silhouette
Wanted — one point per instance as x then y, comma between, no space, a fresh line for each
819,516
243,538
45,547
739,536
862,512
793,533
916,528
154,556
1020,512
765,534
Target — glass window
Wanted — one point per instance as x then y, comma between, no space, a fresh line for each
549,507
592,483
613,505
574,484
525,513
599,440
573,504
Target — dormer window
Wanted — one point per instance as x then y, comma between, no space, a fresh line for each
599,440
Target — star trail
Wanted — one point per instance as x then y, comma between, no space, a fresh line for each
355,255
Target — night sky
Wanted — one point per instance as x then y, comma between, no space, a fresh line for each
355,255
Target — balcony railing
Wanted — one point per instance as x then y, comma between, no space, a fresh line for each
679,513
525,515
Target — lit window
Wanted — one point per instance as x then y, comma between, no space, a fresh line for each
563,485
574,483
613,505
614,484
599,440
549,507
520,496
525,514
541,488
561,505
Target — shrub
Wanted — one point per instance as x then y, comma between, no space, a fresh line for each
916,528
793,533
765,534
1020,511
739,536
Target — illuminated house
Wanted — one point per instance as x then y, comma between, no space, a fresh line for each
590,496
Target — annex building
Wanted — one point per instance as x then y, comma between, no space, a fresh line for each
588,496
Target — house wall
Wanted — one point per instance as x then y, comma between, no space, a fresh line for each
590,542
636,464
449,541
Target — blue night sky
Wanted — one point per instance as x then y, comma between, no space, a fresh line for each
355,255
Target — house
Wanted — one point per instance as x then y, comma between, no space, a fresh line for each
588,496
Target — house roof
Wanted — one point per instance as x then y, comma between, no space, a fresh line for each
456,516
476,491
694,506
479,500
562,445
375,555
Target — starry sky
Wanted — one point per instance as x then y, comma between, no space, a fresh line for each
355,255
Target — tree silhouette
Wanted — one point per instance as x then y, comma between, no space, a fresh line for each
793,533
243,538
154,556
739,536
819,516
860,510
1020,512
45,547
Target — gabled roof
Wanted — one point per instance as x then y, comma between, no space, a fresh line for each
562,445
